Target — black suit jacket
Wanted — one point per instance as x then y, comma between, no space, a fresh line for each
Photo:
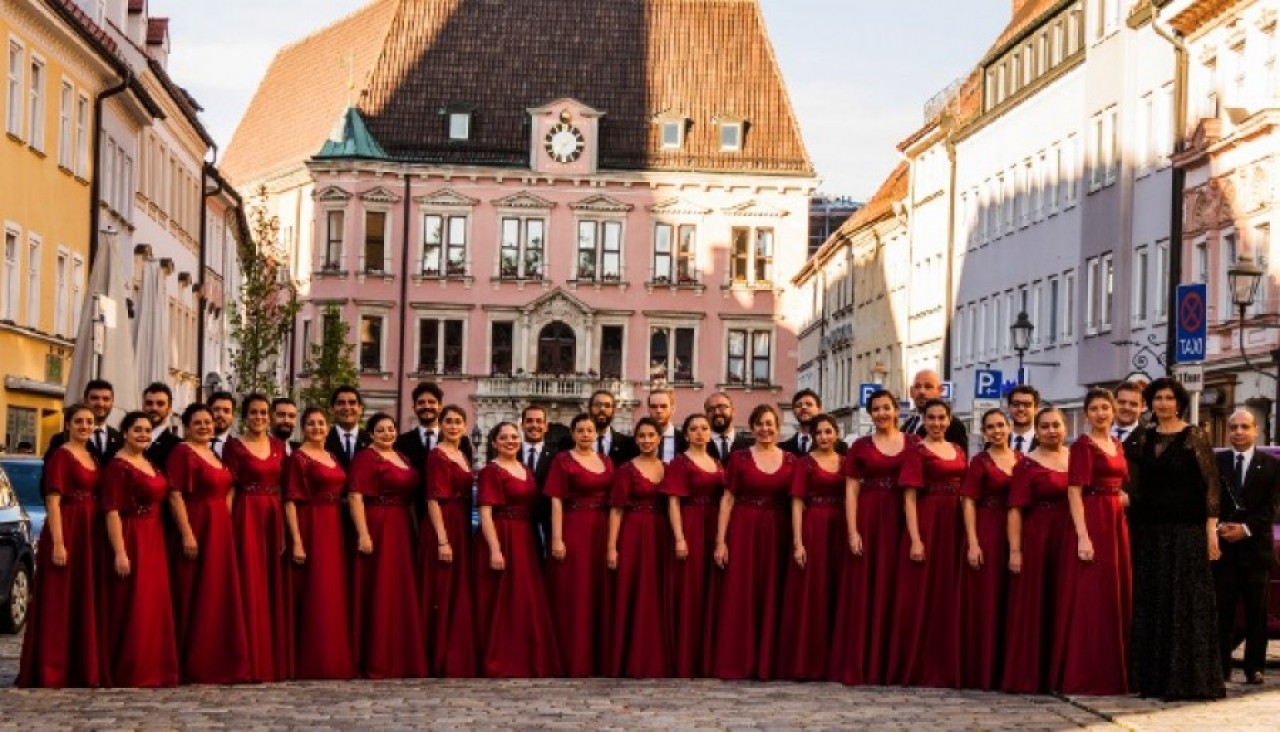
1260,495
792,445
115,441
741,441
159,449
409,443
334,445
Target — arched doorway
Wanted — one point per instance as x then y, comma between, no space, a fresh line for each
557,349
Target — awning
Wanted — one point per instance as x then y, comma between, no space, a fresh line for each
31,386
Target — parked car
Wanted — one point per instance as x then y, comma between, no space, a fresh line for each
17,559
24,475
1273,608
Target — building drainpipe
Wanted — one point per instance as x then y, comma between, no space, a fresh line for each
95,181
404,295
1179,181
204,257
948,287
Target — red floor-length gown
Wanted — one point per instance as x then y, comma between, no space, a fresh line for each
576,587
1098,600
688,579
139,640
388,641
257,525
926,646
639,639
809,607
860,646
62,642
319,588
448,621
982,616
213,646
1034,607
743,629
517,638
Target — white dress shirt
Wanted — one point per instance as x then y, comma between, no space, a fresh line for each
1027,437
537,448
668,450
1244,470
219,443
433,431
1123,432
354,434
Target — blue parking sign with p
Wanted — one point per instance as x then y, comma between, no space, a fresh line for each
987,384
864,393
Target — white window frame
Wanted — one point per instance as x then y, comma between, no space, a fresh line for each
751,329
730,136
1229,247
674,255
670,326
62,291
1069,300
35,258
600,228
980,347
9,301
1091,286
66,109
325,263
1070,172
386,269
77,291
452,223
38,78
1141,293
459,126
1160,307
1052,327
16,95
522,222
82,135
1106,304
671,141
382,345
441,317
1261,246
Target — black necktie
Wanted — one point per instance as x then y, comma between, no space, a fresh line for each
724,447
662,443
347,438
1238,491
1017,443
1120,433
428,438
100,439
912,424
213,445
804,444
600,445
531,459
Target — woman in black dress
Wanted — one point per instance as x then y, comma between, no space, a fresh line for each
1174,523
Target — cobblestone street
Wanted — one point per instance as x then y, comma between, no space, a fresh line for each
607,704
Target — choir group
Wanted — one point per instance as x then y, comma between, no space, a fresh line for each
676,551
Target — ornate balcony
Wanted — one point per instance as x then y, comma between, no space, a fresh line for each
541,388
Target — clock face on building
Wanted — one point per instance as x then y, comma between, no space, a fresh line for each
564,143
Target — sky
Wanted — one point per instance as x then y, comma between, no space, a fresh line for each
859,71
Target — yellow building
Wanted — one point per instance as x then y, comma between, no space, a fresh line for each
58,63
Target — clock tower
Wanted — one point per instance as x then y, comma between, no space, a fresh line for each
564,138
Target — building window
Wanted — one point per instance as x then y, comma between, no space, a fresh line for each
66,108
730,136
751,257
371,330
334,233
1202,261
501,348
1068,306
672,134
440,346
1070,172
1162,280
36,126
77,291
748,357
459,126
523,248
611,346
1141,281
1261,248
444,245
599,251
673,254
62,293
1052,302
376,251
1091,284
671,354
17,68
1106,292
1230,255
12,259
33,281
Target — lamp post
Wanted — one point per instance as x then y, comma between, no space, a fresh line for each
1021,331
1243,279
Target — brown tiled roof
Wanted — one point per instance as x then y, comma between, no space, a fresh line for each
304,92
137,6
631,59
157,29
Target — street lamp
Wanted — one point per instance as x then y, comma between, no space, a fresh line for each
1021,331
1244,279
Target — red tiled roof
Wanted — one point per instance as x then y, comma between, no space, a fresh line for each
157,29
86,25
137,6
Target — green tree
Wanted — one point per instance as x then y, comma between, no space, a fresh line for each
329,363
262,313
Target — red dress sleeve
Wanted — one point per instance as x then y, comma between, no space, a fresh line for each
489,487
294,478
363,478
56,479
975,477
849,466
1080,462
1020,488
911,474
620,491
800,477
181,471
675,480
557,485
117,484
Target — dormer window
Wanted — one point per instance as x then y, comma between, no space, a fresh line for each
672,134
730,134
459,126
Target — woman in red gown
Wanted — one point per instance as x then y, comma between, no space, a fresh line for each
638,637
319,591
693,482
256,460
62,642
213,646
873,515
820,542
753,538
516,636
1098,601
388,641
1038,531
444,553
926,650
985,579
578,485
139,644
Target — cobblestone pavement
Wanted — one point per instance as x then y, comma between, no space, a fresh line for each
608,704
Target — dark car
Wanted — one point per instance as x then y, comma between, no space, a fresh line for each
1273,608
24,475
17,559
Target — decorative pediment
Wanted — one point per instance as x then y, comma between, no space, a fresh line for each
679,207
524,200
754,209
557,305
379,195
446,197
601,204
562,106
331,194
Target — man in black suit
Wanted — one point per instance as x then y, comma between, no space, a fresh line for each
925,386
536,454
1128,427
805,405
415,443
222,407
157,402
1022,402
100,396
724,438
1250,499
346,438
619,448
284,420
662,409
